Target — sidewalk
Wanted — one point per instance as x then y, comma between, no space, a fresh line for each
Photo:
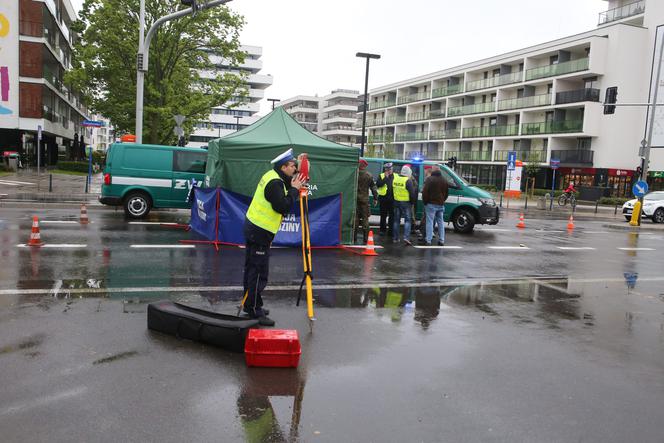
26,185
583,209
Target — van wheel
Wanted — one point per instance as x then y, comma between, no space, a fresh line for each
137,205
463,221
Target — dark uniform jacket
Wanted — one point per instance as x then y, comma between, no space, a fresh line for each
365,183
274,193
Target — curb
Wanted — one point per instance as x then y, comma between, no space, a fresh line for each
627,227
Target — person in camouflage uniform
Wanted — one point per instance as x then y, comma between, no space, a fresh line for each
365,183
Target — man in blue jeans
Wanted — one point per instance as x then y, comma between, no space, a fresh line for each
404,193
434,194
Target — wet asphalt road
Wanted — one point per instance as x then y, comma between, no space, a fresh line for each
535,343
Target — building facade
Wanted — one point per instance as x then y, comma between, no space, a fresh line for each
101,137
333,117
36,45
226,119
545,102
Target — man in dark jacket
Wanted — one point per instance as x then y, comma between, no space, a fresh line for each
386,199
434,194
275,194
365,183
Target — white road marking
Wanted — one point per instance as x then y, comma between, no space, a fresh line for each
573,248
637,249
14,182
436,247
61,222
362,246
553,231
441,283
146,223
53,245
596,232
508,247
162,246
495,230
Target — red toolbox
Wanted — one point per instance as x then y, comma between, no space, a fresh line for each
275,348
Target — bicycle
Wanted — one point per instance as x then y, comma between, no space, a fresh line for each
567,197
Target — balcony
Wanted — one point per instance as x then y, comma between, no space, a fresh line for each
445,134
447,90
472,156
381,104
437,114
491,131
416,116
392,119
538,156
372,122
579,95
622,12
376,139
414,97
552,127
557,69
524,102
412,136
477,108
492,82
573,156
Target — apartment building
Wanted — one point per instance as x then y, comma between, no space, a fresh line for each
545,102
101,137
226,119
36,43
333,117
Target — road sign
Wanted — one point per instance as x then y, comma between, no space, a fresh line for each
179,119
511,160
39,132
555,164
640,189
92,123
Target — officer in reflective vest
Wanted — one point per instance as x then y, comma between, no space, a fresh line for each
275,194
403,194
386,199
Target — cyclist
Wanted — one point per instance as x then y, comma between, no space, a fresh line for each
570,189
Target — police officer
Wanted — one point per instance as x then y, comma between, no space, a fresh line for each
386,199
365,183
404,192
275,194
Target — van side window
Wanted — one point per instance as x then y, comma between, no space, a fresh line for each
147,159
189,162
450,181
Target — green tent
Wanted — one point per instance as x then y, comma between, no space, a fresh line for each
238,161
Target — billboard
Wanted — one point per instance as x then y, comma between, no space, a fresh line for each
9,64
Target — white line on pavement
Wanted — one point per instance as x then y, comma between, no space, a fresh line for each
637,249
436,247
162,246
362,246
596,232
61,222
552,231
53,245
573,248
508,247
153,223
495,230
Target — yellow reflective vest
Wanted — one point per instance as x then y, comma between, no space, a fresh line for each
260,210
399,186
382,191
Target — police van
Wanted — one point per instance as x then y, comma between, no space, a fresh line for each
140,177
465,206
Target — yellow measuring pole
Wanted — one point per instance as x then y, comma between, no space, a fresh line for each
306,250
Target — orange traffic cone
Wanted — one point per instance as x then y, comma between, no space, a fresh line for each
570,223
35,238
369,250
84,215
522,222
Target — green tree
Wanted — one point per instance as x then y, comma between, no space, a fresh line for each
531,170
181,78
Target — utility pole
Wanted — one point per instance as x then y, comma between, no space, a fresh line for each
366,93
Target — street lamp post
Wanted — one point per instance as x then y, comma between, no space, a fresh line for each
273,100
237,122
366,92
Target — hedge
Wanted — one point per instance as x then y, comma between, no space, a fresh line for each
612,200
73,166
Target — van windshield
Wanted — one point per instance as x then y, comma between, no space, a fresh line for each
453,180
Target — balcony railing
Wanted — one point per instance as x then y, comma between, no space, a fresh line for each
525,102
622,12
440,113
445,133
414,97
477,108
372,122
504,79
526,156
579,95
376,139
413,136
476,156
557,69
381,104
446,90
395,119
491,131
415,116
573,156
552,127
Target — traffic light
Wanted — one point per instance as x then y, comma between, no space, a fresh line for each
639,171
610,99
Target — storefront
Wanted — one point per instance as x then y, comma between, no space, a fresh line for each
618,181
656,180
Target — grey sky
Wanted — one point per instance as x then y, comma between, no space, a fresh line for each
309,46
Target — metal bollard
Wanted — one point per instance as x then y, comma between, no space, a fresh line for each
501,199
615,210
50,182
86,186
526,204
596,204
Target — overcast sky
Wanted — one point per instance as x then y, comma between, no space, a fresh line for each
309,46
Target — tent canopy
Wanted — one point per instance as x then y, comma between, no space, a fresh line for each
238,161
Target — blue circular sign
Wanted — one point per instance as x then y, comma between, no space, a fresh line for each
640,189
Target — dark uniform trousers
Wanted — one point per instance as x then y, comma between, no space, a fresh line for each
386,214
256,268
362,219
